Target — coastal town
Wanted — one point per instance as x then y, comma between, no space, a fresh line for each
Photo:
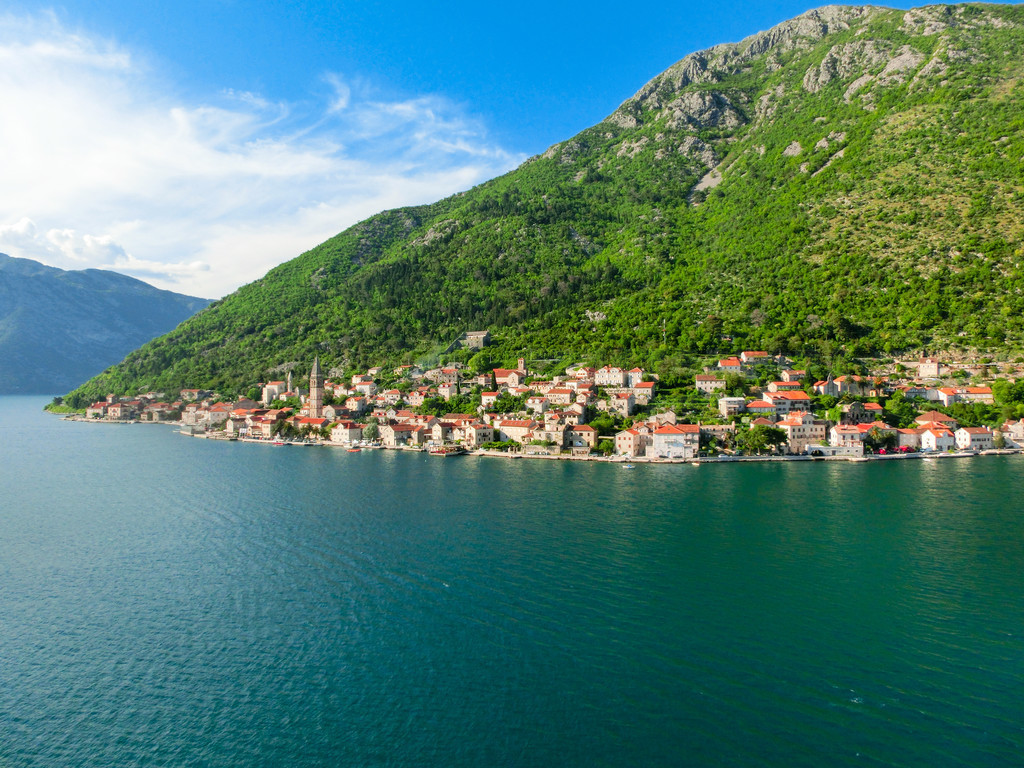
751,404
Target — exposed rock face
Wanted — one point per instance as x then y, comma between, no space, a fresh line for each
712,65
906,60
702,109
792,150
631,149
927,21
697,149
843,62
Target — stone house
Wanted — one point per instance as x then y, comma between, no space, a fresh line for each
1013,433
635,441
709,382
623,403
909,438
514,429
346,432
643,392
582,436
634,376
537,404
974,439
731,406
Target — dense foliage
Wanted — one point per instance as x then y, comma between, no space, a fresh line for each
870,200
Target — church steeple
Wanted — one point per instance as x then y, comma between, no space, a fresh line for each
316,390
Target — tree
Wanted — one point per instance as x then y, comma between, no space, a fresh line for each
480,362
760,438
607,447
875,440
371,431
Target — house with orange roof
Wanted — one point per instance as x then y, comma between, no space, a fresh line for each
802,430
634,376
635,441
785,402
561,396
846,435
730,365
622,402
676,441
398,435
474,434
582,436
643,392
508,377
937,418
937,439
949,395
761,407
537,404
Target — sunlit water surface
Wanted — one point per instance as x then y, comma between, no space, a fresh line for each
166,601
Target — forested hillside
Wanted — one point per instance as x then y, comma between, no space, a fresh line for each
848,182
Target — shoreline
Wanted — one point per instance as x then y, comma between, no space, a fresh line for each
623,460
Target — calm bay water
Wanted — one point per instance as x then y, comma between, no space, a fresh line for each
166,601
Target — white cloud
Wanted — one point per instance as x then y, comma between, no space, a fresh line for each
105,167
342,93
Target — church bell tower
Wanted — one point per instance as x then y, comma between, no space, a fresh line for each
316,391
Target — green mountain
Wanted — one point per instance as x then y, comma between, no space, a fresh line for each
59,327
847,182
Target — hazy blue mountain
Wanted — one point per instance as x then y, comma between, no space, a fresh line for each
58,328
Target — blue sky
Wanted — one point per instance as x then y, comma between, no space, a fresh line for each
197,144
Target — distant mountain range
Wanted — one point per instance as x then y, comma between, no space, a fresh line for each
58,328
846,183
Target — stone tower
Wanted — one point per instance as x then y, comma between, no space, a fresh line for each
316,391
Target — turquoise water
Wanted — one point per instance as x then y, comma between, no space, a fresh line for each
166,601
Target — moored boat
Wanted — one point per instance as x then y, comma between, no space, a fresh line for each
446,450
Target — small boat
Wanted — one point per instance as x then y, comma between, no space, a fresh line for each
446,450
354,450
627,466
695,463
279,442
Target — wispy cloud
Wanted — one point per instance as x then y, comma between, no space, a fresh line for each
105,167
